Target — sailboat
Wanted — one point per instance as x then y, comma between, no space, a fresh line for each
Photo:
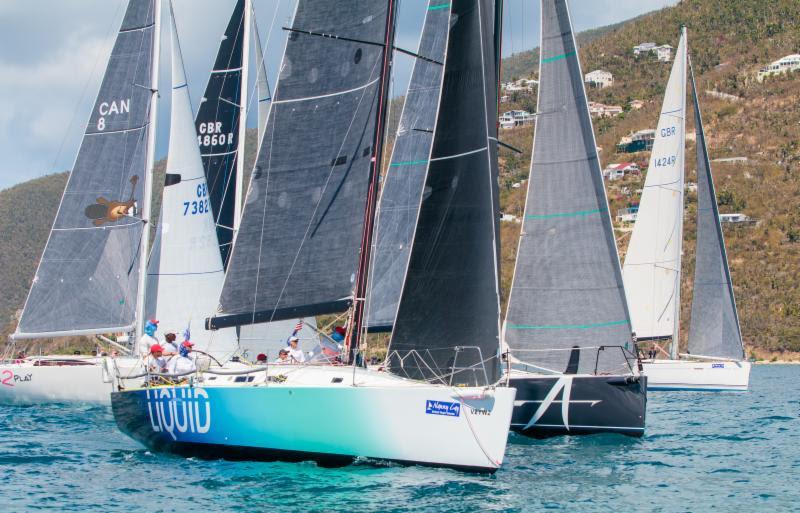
323,140
90,277
652,266
567,327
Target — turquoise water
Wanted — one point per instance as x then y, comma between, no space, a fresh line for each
701,452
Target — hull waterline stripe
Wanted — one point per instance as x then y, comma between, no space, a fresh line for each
567,326
573,426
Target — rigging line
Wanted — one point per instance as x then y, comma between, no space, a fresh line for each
261,65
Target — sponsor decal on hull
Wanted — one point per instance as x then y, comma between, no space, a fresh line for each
442,408
182,410
10,379
717,365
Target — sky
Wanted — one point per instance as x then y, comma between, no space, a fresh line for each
53,55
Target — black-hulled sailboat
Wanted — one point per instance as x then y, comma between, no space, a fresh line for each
322,147
567,326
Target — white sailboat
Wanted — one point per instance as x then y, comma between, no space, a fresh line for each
90,277
323,141
652,269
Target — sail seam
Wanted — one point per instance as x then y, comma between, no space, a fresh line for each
143,27
448,157
571,161
219,154
96,227
227,70
566,326
338,93
118,131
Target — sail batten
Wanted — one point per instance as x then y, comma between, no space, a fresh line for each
567,287
87,279
454,250
714,329
296,251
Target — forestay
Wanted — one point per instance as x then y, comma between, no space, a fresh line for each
296,252
714,329
185,271
263,92
217,124
447,324
87,278
404,180
653,261
567,289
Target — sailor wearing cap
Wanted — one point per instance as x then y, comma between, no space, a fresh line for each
283,357
149,338
170,346
155,360
295,353
182,363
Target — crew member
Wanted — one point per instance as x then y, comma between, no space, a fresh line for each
149,338
261,358
156,363
283,357
170,346
182,363
295,353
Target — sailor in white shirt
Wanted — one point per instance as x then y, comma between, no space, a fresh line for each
295,353
170,346
149,338
182,363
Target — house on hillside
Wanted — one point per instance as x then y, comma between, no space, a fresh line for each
782,65
637,141
663,52
617,171
627,215
515,118
734,218
636,104
599,79
599,110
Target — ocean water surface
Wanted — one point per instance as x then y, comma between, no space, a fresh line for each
701,452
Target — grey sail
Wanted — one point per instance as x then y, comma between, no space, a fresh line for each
403,182
567,289
217,123
296,252
714,328
450,299
87,278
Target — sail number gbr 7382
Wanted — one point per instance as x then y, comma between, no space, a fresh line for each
198,206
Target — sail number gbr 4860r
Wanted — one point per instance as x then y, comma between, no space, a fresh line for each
210,134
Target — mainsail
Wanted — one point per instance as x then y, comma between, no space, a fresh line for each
87,279
185,274
297,249
447,325
714,328
652,267
405,179
218,130
567,290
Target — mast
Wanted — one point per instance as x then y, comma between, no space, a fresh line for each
360,291
676,335
144,248
237,207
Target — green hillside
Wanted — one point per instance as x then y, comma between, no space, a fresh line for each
729,41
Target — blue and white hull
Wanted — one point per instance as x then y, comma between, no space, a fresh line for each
316,413
697,375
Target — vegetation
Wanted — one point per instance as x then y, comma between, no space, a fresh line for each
729,41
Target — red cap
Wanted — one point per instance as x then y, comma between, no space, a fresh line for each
154,321
340,330
156,347
261,356
186,343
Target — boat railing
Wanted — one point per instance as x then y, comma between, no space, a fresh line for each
595,360
464,365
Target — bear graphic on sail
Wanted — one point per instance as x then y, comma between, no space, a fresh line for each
107,211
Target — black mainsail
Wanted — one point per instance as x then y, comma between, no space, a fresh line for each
714,327
218,130
404,180
88,277
297,249
567,289
447,325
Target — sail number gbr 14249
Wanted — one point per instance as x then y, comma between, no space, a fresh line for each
199,206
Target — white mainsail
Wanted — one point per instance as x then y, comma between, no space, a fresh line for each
264,94
185,272
653,261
